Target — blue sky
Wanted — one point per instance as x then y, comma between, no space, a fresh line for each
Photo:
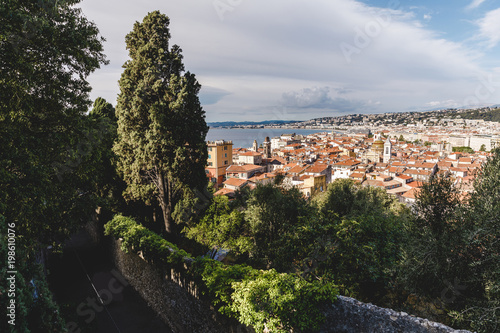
302,59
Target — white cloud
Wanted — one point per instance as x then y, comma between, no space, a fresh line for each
443,104
427,17
489,27
262,49
474,4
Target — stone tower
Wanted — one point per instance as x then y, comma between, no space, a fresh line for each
255,146
387,150
267,148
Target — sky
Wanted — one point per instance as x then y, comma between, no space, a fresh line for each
302,59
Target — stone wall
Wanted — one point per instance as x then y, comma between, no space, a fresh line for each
348,315
174,298
179,303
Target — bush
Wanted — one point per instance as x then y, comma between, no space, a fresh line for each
257,298
280,302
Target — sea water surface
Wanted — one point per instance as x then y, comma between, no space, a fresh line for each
243,137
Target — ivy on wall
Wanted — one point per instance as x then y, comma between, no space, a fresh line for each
263,299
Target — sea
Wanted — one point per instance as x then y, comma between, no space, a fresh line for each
244,137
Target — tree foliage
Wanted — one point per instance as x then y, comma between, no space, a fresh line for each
222,228
161,124
279,302
463,150
481,311
47,49
354,237
272,213
436,251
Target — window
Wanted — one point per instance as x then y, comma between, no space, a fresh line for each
209,156
225,162
209,148
225,147
225,155
210,164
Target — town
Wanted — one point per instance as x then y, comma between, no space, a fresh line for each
396,152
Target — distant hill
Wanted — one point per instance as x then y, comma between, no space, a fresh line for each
246,123
491,115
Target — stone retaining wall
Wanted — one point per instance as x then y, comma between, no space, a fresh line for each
178,302
175,299
348,315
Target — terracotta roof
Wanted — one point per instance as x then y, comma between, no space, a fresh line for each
237,182
317,168
242,168
357,175
297,169
414,184
250,153
411,194
224,191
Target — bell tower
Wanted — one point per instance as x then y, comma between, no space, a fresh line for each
255,146
387,150
267,148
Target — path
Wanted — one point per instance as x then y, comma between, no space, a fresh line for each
83,272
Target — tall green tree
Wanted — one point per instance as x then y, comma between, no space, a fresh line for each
107,184
161,124
103,109
47,49
437,249
272,214
482,311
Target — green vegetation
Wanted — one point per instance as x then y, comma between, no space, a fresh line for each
145,162
257,298
48,145
491,115
463,150
221,227
47,142
161,125
139,238
35,309
350,234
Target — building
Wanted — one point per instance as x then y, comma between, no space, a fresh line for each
267,148
377,150
244,171
387,150
313,185
220,157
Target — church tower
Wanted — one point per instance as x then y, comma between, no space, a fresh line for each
255,146
387,150
267,148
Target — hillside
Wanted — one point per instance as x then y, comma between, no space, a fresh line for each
489,115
